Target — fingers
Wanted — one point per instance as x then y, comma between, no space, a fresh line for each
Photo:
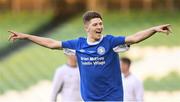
13,36
10,37
166,32
169,29
165,29
12,32
166,25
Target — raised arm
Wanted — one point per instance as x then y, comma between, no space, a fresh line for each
142,35
46,42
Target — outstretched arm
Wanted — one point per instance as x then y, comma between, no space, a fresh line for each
142,35
46,42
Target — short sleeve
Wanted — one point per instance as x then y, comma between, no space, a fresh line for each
115,41
71,44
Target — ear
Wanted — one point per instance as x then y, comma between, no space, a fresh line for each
86,27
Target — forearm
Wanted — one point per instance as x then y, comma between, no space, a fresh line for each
140,36
46,42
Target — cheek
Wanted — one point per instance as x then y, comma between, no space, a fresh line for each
88,29
91,29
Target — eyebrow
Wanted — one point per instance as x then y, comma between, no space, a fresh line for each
97,22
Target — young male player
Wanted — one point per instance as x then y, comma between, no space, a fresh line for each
98,63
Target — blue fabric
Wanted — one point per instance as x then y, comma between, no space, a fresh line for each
99,68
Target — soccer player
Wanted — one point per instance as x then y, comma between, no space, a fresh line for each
98,63
133,88
66,80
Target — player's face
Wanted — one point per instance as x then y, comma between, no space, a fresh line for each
94,28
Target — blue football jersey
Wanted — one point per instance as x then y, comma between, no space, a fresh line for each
99,68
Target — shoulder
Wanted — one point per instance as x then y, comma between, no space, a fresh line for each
135,79
76,39
61,69
108,36
81,39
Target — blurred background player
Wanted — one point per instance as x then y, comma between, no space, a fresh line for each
132,86
66,80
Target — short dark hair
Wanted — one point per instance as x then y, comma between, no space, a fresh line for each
87,16
126,60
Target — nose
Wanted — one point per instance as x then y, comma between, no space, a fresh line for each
99,26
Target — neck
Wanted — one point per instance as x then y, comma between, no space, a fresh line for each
72,64
92,40
126,74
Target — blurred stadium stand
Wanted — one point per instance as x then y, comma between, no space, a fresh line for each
60,5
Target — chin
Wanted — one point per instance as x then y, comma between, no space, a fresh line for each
98,38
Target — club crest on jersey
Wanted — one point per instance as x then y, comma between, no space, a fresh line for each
101,50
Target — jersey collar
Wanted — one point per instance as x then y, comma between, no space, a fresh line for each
94,43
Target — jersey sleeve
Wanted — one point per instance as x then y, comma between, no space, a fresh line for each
71,44
121,48
115,41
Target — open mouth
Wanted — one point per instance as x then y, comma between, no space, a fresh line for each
98,32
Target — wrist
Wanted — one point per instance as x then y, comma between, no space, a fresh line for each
26,36
153,29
